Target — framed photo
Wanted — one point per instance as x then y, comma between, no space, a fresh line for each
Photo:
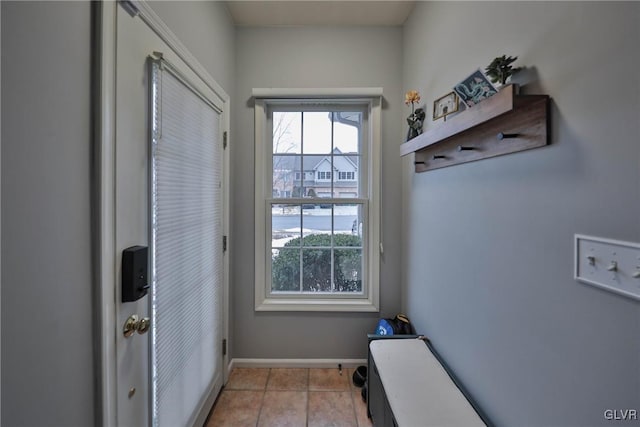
444,106
475,88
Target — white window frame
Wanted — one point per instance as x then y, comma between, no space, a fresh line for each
368,301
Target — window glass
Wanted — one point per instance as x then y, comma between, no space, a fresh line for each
284,181
287,132
316,246
317,132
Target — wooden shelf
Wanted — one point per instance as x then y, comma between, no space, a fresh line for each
473,134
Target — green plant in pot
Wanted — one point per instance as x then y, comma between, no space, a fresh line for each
500,69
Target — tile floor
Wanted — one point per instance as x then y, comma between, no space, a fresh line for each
283,397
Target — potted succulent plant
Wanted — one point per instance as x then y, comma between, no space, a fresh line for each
500,69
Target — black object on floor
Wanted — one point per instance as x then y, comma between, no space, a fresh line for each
360,376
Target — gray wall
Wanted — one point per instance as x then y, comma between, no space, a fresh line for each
488,245
47,335
207,30
308,58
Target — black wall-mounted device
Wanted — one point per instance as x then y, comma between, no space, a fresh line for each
135,266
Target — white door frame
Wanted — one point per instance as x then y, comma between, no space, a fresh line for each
104,92
0,205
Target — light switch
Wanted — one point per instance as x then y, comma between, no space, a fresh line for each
609,264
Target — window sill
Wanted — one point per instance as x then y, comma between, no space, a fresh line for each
300,304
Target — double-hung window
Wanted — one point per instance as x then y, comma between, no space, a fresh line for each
317,204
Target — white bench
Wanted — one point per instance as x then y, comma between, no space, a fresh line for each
416,389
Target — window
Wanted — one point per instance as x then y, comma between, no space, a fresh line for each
315,248
346,176
324,176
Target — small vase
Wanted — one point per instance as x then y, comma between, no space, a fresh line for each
415,121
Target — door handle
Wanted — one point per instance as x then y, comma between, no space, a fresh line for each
136,324
143,325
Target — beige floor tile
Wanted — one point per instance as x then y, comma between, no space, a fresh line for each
236,408
248,379
284,409
328,380
331,409
361,410
288,379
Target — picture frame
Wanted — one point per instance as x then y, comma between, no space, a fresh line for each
475,88
445,105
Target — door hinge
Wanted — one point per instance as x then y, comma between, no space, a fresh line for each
224,243
224,140
224,347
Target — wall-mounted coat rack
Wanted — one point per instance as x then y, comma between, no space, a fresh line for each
503,124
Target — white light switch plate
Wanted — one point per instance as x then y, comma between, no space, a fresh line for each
609,264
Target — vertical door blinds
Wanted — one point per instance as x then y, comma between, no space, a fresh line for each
186,248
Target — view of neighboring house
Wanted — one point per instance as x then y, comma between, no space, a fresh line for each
316,175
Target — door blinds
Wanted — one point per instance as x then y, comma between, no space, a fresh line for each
186,248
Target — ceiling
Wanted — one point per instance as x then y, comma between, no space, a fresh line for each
320,13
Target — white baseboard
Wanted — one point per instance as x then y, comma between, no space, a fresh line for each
295,363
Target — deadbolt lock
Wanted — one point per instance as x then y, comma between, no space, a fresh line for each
135,324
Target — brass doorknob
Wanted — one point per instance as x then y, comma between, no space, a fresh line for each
135,324
143,325
130,325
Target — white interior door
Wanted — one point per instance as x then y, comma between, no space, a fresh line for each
169,375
